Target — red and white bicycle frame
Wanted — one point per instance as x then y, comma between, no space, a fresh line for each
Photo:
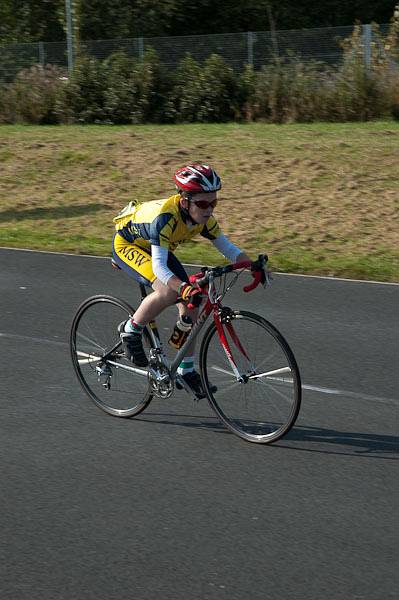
212,305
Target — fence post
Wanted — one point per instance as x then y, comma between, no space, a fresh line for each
141,48
69,25
367,38
250,44
41,53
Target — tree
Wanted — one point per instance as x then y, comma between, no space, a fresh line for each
27,21
207,16
103,19
34,20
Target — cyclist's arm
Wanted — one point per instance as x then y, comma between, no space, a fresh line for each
229,250
242,257
160,267
160,229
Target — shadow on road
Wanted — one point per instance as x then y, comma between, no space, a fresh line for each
370,445
179,420
314,439
55,212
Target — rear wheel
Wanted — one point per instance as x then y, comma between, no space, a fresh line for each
264,404
116,385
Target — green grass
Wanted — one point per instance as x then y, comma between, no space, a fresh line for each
319,198
374,267
45,239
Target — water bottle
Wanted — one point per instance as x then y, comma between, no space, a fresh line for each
180,332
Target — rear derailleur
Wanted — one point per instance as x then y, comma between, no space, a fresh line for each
104,374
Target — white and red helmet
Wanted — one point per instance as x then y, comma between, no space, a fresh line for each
196,178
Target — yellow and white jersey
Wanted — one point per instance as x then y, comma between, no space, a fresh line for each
161,223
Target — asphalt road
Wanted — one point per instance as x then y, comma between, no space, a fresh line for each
172,506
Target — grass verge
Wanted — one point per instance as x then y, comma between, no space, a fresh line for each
318,198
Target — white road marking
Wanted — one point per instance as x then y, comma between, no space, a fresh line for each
32,339
311,388
355,395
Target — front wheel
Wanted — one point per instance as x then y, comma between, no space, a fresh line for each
108,378
260,401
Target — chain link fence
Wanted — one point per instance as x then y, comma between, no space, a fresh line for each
238,49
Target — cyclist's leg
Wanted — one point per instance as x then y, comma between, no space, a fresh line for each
137,263
163,296
186,368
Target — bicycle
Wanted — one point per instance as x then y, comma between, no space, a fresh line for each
242,355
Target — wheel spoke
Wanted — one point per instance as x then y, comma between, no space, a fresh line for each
91,341
87,358
264,405
113,383
220,370
269,373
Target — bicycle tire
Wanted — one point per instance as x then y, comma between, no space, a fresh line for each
263,409
93,334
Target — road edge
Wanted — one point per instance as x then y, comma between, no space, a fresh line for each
329,278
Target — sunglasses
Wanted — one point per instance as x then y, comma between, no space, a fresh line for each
204,204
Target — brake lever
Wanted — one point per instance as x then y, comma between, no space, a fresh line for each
257,275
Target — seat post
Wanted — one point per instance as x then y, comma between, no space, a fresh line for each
143,290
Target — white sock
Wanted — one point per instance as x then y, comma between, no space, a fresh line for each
133,327
186,366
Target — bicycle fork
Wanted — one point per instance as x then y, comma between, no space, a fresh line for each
223,317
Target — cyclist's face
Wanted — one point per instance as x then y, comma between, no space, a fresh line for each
201,206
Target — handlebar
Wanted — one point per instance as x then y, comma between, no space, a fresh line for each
257,268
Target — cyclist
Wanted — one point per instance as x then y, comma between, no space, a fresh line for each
147,235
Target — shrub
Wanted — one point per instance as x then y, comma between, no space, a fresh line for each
394,103
185,96
118,90
291,90
27,56
358,88
309,92
32,96
246,86
83,97
388,62
126,90
286,92
204,93
122,94
219,91
294,91
136,89
155,83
